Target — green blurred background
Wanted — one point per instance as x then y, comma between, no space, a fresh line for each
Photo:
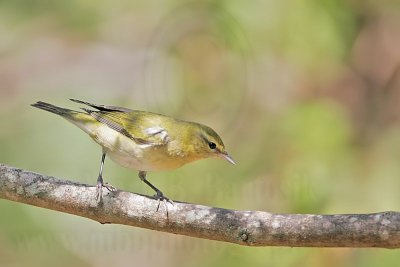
304,93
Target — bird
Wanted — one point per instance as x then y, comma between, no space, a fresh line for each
141,140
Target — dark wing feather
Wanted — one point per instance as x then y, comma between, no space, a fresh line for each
134,125
103,107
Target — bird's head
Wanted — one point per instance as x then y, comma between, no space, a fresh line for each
209,144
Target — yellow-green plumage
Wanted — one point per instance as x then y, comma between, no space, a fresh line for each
143,140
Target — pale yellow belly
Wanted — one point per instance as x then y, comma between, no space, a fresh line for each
150,161
127,153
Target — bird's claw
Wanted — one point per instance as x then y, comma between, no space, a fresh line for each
99,190
110,187
160,197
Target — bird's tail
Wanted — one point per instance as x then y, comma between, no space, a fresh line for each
83,120
54,109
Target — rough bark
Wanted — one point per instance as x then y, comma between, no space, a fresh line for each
251,228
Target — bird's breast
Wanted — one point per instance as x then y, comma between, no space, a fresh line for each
144,157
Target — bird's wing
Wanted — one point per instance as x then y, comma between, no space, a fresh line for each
141,127
102,107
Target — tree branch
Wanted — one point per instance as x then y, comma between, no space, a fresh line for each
251,228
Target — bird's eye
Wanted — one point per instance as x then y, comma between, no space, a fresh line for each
212,145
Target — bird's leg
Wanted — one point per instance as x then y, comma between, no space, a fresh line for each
100,183
159,195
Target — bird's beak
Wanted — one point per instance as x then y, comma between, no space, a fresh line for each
225,156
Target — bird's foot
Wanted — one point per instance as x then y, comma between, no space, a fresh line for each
110,187
99,190
160,197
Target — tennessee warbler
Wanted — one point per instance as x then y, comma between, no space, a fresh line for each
142,140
